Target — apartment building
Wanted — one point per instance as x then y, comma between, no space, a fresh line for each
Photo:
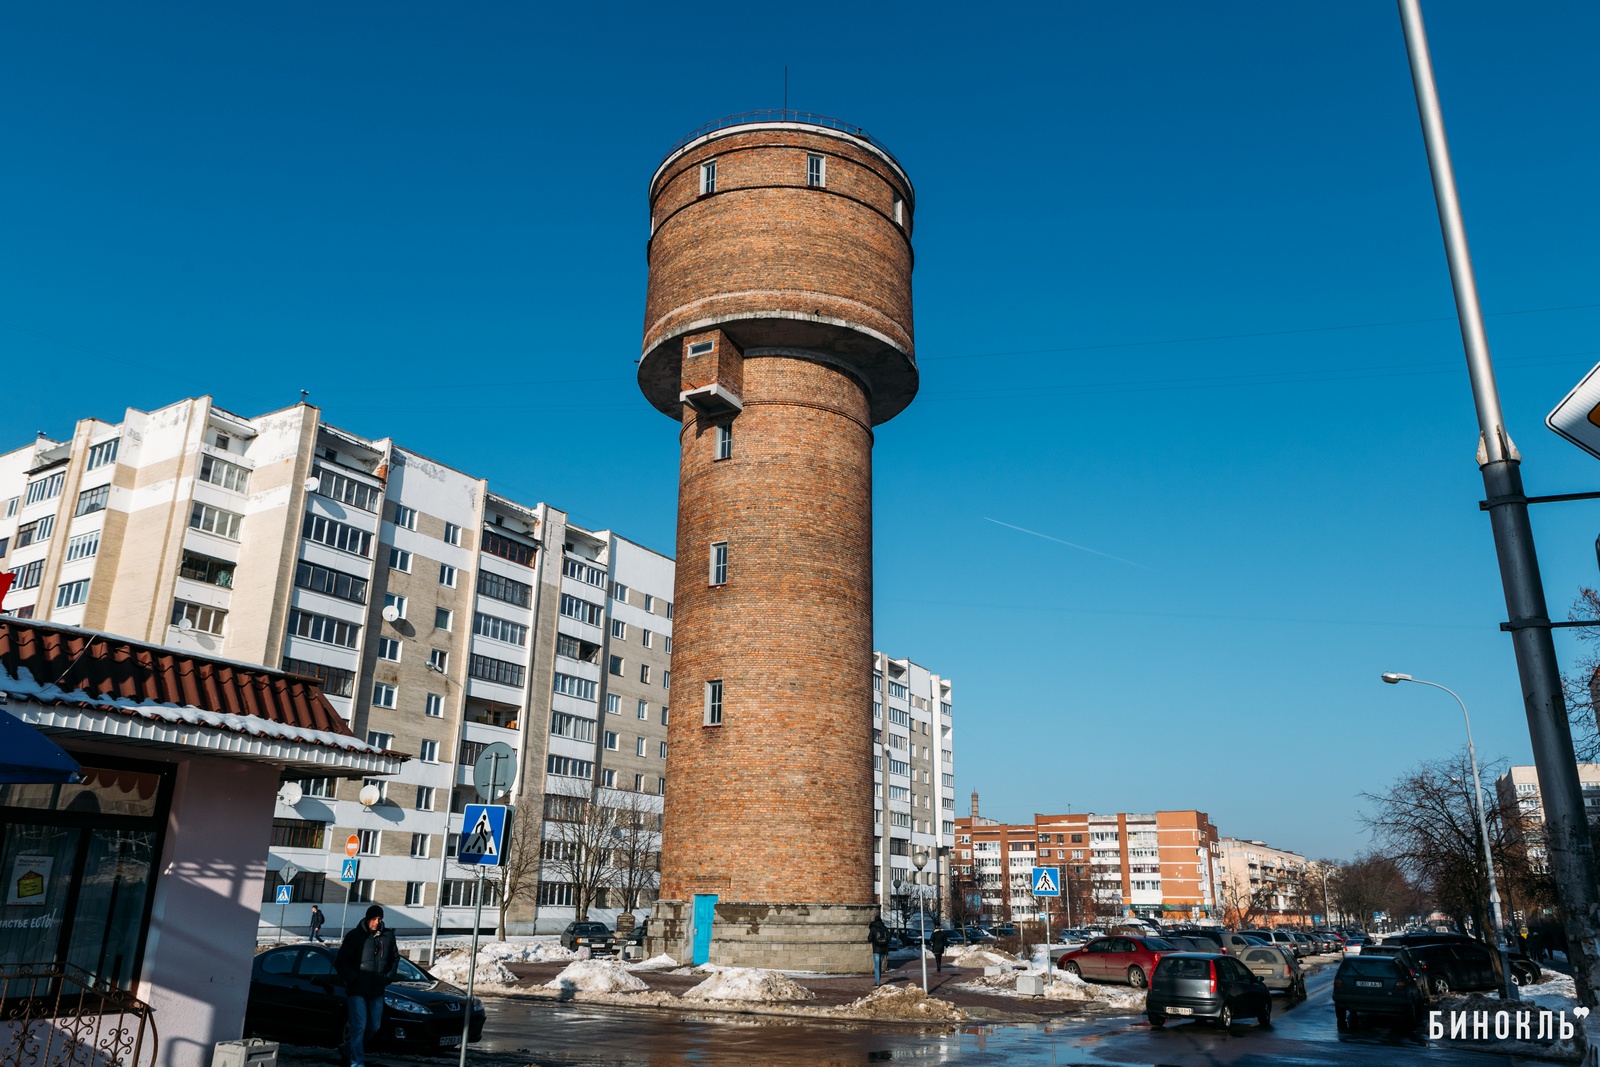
1262,885
438,616
1518,790
913,735
1160,865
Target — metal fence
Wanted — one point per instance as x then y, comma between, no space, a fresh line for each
56,1014
808,118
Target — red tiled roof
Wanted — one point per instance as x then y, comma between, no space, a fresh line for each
114,668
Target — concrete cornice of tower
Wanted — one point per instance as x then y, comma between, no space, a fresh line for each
803,121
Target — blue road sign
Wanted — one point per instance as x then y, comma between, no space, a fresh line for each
284,892
1047,881
347,872
483,835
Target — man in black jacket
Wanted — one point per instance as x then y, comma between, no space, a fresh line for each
366,964
878,936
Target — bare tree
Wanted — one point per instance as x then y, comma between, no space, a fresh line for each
1582,683
578,844
1370,885
635,860
519,861
1243,905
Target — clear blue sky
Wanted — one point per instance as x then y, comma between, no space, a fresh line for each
1181,301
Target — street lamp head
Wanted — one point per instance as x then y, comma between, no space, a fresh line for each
921,858
1395,678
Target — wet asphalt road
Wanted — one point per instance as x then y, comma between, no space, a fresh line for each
570,1035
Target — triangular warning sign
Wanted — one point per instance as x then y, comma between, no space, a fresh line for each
481,841
1046,882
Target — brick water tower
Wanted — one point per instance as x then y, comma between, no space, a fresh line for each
777,331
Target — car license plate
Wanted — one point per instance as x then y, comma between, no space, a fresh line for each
453,1039
1369,985
1180,1011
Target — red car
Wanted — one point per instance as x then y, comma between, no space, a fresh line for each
1117,959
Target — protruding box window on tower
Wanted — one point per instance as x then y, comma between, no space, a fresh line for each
714,702
712,378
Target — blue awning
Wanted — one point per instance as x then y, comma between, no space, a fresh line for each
26,755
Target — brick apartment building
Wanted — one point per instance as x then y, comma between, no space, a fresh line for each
1266,886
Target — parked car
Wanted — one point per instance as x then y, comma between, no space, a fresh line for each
976,934
1117,959
1308,947
1282,938
1525,970
1276,966
1231,944
1354,944
1210,986
596,937
1189,944
297,997
1378,985
1005,930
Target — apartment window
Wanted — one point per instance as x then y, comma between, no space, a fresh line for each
334,681
498,629
367,842
816,169
666,645
724,441
666,679
499,587
193,566
419,846
46,488
708,177
380,784
608,778
216,521
297,833
443,618
555,894
645,638
663,715
221,472
399,560
433,706
619,592
613,704
661,786
567,767
719,563
663,753
644,673
899,211
405,517
497,670
611,741
638,746
93,500
649,602
619,629
576,727
359,892
515,551
11,505
379,739
571,686
5,543
383,695
424,798
439,660
447,575
336,535
103,453
389,649
616,666
428,751
322,628
714,703
206,620
72,594
347,490
644,710
36,532
452,535
321,579
83,546
222,441
397,602
414,893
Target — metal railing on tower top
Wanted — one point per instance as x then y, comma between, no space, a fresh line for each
808,118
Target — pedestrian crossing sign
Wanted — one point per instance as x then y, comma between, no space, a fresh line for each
284,892
348,869
1047,881
483,831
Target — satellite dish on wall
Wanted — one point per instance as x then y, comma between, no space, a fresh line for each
370,795
291,793
185,625
391,613
312,484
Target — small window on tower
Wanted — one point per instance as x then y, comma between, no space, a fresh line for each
708,177
815,169
714,703
899,211
719,563
702,348
724,441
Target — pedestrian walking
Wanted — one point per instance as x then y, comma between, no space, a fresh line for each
878,935
937,944
366,963
317,919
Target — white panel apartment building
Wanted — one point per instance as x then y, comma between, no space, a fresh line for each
438,616
913,730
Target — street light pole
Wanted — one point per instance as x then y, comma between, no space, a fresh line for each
921,861
1508,989
1538,670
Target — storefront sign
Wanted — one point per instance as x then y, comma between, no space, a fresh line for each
29,880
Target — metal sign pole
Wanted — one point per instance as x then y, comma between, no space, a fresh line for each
1049,971
472,968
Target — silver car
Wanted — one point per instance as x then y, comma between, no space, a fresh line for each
1282,938
1275,966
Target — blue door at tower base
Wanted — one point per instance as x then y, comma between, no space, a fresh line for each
705,910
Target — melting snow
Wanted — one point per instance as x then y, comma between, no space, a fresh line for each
596,976
751,984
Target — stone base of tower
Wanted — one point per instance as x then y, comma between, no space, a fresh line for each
788,937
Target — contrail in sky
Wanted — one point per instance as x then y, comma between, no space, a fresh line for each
1069,544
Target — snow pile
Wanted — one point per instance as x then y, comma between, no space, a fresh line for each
1557,996
1064,986
973,956
452,968
526,952
596,976
662,962
749,983
902,1002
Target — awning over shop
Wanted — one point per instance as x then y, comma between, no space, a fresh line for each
26,755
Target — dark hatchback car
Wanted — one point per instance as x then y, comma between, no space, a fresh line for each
1377,985
296,997
1448,965
1209,986
596,937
